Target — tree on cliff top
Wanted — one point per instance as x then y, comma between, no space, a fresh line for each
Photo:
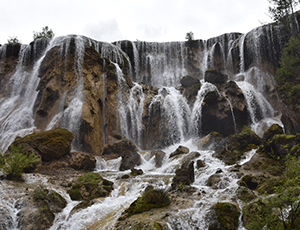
46,33
283,11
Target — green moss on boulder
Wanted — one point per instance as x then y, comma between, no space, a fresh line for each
50,145
90,186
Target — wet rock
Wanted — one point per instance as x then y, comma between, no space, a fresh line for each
200,164
272,131
6,221
82,161
159,157
251,181
184,176
187,81
214,181
190,88
41,213
232,148
223,216
245,194
136,172
124,148
214,77
180,150
50,145
151,198
90,186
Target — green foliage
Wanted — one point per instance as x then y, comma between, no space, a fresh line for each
282,11
13,41
16,162
189,36
46,33
287,76
282,209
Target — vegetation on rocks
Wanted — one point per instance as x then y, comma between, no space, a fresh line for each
14,164
151,198
90,186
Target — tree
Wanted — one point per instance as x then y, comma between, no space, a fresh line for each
189,36
46,33
283,11
13,40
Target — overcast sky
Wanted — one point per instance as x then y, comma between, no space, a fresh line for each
113,20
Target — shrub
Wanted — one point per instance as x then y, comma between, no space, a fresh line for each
46,33
16,162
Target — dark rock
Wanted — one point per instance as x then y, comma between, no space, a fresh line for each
200,164
245,194
250,181
82,161
214,180
159,157
272,131
180,150
223,216
232,148
136,172
188,81
50,145
184,176
124,148
214,77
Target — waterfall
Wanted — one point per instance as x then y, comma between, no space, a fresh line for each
16,116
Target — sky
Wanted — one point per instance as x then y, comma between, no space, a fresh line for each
115,20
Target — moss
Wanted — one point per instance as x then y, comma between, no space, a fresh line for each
227,217
152,198
269,185
90,186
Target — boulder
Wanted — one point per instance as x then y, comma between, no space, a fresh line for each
215,77
245,194
159,157
200,164
50,145
82,161
188,81
136,172
40,213
184,175
90,186
124,148
180,150
272,131
223,216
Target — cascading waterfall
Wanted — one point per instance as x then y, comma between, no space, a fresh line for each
17,107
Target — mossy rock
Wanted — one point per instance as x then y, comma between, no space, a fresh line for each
273,130
49,199
151,198
234,146
90,186
50,145
280,145
224,216
245,194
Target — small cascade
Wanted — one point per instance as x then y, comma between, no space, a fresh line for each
258,107
103,104
241,47
195,125
232,114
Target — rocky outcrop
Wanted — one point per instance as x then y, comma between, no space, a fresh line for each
123,148
180,150
41,212
90,186
82,161
223,216
184,176
50,145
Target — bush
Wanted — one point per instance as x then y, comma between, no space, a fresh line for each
15,163
46,33
13,41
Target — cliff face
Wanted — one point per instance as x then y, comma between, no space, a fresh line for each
97,90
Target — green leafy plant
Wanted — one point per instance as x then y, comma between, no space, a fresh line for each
46,33
14,164
189,36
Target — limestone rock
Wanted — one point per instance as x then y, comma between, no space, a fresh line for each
223,216
184,176
82,161
50,145
214,77
159,157
180,150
